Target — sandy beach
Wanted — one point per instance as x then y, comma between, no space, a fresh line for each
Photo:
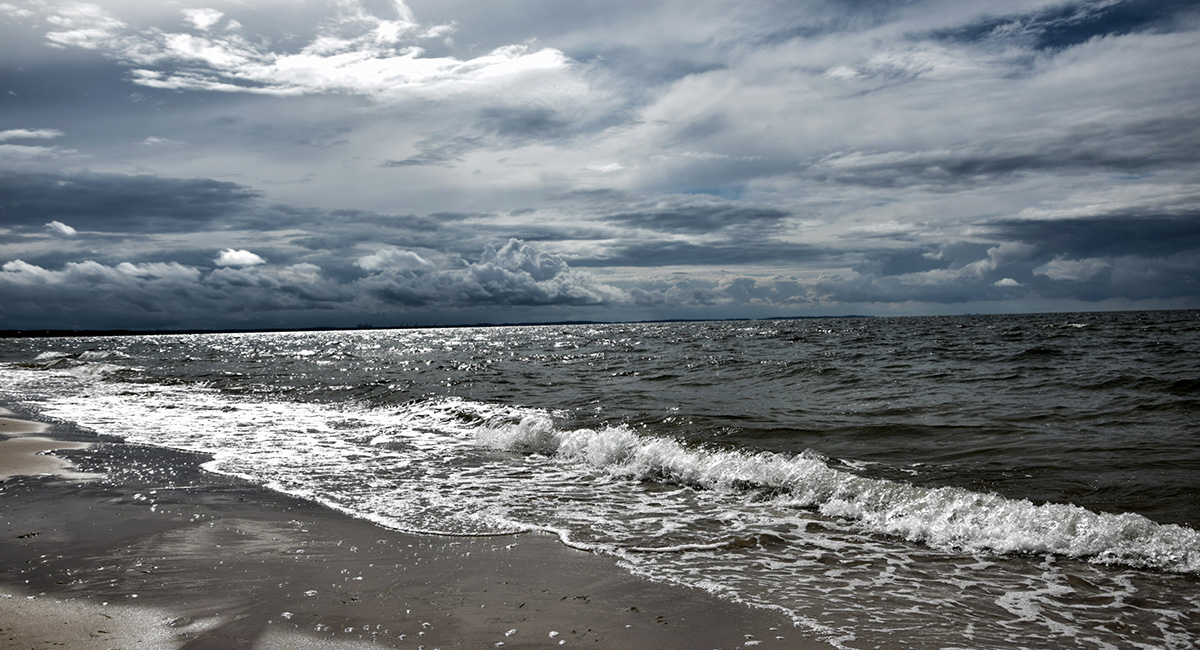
157,553
21,449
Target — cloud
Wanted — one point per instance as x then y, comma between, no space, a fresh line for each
1085,253
704,216
83,25
665,252
439,151
159,271
170,294
1139,145
355,51
523,124
23,154
769,295
1067,24
10,9
154,141
231,257
721,157
30,134
516,274
93,295
1130,233
60,228
393,259
121,203
202,19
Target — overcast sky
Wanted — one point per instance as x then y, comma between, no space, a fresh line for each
276,163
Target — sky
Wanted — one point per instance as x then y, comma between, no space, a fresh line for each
224,164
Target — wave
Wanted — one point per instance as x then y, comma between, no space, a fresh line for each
423,439
944,518
89,364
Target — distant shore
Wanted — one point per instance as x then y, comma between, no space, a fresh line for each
62,333
161,554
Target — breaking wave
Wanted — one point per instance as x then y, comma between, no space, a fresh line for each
945,518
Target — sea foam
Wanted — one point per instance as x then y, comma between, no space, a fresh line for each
945,518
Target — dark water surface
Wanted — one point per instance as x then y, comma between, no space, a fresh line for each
970,481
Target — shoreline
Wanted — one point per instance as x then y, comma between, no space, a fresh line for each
153,550
23,449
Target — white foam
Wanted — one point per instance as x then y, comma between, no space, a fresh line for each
95,355
93,370
431,477
944,518
786,531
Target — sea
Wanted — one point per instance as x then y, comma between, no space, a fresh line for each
995,481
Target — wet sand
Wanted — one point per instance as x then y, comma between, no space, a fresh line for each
161,554
10,425
21,452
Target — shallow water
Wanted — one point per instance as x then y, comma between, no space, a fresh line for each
975,481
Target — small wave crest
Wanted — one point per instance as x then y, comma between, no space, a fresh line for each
944,518
86,365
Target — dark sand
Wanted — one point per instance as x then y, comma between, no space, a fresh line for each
161,554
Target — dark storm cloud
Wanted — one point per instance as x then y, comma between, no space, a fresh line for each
1110,235
444,216
599,194
939,168
906,154
361,218
1131,254
90,294
675,253
872,289
902,262
118,203
93,295
522,124
439,151
741,292
946,258
1144,146
494,127
703,218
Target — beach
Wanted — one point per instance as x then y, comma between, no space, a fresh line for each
148,550
984,482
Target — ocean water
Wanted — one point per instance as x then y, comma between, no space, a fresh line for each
928,482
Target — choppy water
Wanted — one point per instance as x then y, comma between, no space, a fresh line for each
991,481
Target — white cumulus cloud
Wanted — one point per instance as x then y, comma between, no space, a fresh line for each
354,51
202,19
514,274
393,259
231,257
60,228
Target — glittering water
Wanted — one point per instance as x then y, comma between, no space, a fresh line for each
992,481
